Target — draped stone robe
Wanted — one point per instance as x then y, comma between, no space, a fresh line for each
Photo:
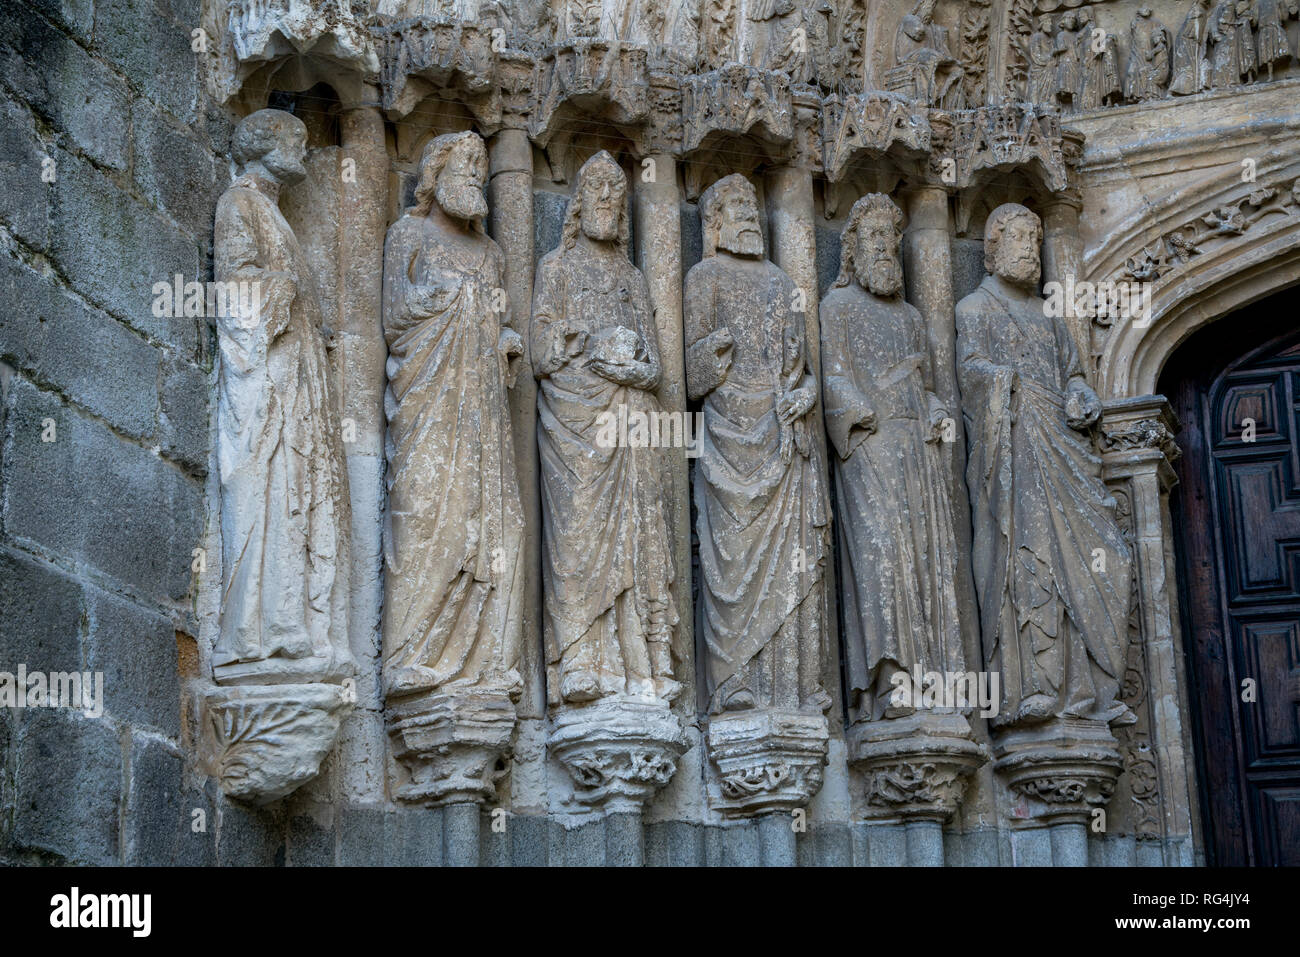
607,568
453,543
894,509
1054,617
762,515
1190,67
284,493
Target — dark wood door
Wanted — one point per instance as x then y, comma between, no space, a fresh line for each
1236,388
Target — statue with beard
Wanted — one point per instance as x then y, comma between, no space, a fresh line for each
885,422
1051,566
607,567
285,512
453,544
760,498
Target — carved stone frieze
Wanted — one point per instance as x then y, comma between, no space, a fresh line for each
766,760
449,54
915,767
870,124
605,79
736,100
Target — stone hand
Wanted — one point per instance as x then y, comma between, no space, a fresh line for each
510,343
722,344
938,419
1082,407
630,372
795,403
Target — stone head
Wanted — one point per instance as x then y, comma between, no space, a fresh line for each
1069,21
869,246
1045,24
275,142
729,215
1013,236
598,208
453,172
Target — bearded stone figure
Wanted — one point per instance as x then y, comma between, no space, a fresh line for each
760,498
1051,566
885,423
454,550
284,493
607,555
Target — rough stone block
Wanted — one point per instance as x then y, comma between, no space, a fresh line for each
135,648
196,843
310,844
741,846
88,356
77,15
41,609
153,804
183,414
113,249
528,841
175,170
62,82
138,36
95,497
584,846
413,837
361,837
68,787
24,196
250,837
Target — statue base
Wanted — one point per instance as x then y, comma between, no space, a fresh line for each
1060,771
267,740
766,760
916,766
452,747
619,751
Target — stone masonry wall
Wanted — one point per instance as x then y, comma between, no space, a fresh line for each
110,168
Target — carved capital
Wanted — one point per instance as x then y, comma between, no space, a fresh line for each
737,100
1137,430
604,79
1060,770
451,746
871,124
766,760
618,751
266,740
915,767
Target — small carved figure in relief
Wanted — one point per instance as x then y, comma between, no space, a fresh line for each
1191,64
1232,44
924,61
1040,81
1065,50
1148,58
285,512
894,508
1051,566
453,544
763,517
1274,50
607,566
1098,55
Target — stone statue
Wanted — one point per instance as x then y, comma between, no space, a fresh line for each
1232,44
1051,566
1099,80
894,507
1065,50
453,544
924,59
1274,50
762,514
285,512
607,557
1148,58
1191,65
1040,81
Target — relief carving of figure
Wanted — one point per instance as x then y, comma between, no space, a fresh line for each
1099,80
453,543
894,509
1040,82
1274,50
1065,50
1051,565
1232,44
1191,65
923,57
1148,58
285,511
607,567
762,511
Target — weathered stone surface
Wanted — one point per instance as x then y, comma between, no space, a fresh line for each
24,197
135,648
42,610
154,804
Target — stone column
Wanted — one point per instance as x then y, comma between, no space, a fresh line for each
1137,446
656,210
1063,263
510,221
362,205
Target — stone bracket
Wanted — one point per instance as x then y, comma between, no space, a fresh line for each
1060,770
916,766
766,760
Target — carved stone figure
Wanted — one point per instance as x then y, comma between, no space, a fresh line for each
607,560
453,548
763,518
1099,80
1148,58
607,566
895,514
924,67
1191,65
1065,50
284,494
1274,50
1051,567
1232,44
1040,82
